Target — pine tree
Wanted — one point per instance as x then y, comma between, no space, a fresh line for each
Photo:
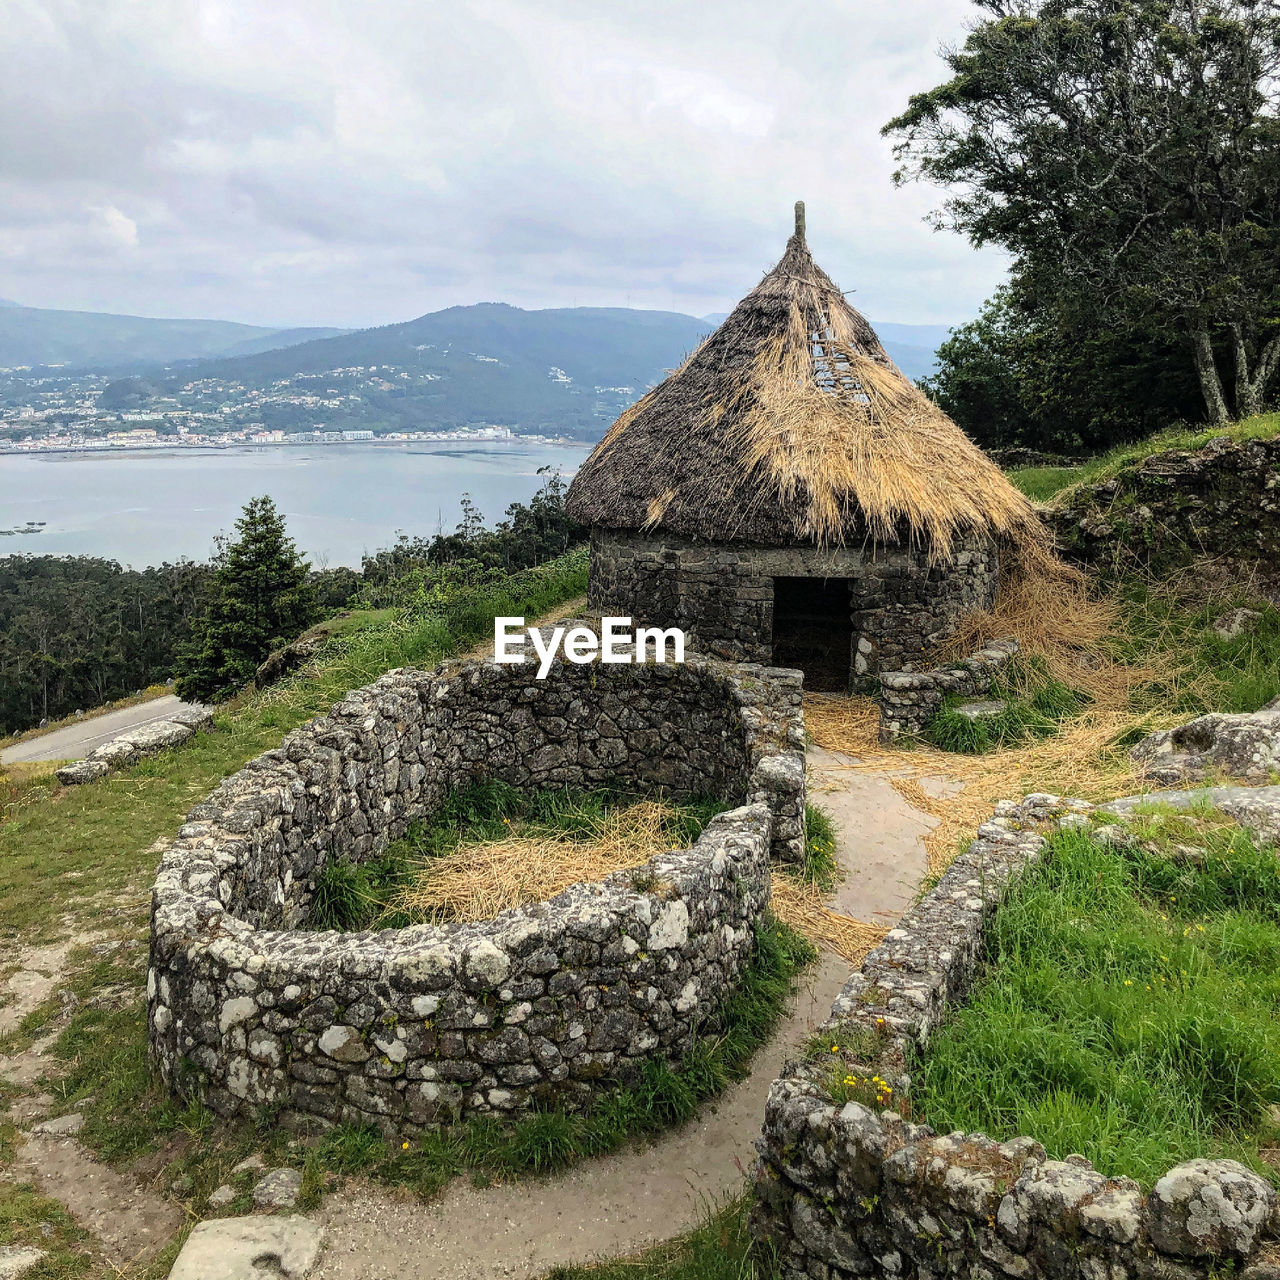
261,600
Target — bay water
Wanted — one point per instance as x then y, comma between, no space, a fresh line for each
339,500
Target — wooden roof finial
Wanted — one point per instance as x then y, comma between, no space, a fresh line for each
800,221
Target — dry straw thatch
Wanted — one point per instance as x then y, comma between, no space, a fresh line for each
791,424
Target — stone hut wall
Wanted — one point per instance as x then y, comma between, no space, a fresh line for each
846,1190
721,594
407,1028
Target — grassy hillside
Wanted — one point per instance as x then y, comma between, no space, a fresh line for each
1046,483
52,837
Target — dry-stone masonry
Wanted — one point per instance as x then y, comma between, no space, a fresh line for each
910,699
722,593
128,748
848,1190
548,1004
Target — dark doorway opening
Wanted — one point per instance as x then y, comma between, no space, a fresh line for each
813,630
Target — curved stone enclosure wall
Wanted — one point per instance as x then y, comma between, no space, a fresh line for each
411,1027
850,1190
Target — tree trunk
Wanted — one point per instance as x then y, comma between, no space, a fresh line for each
1210,384
1250,390
1246,391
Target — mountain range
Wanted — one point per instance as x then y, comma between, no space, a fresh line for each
560,370
39,336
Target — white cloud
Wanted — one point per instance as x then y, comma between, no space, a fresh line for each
332,161
118,230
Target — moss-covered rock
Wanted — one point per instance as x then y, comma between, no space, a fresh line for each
1162,513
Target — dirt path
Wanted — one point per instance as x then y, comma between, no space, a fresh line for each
882,877
616,1206
129,1223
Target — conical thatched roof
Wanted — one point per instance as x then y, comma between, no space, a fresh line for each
790,424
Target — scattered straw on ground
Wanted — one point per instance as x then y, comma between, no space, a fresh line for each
801,907
1057,622
480,879
1083,759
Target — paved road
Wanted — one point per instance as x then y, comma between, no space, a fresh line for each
77,740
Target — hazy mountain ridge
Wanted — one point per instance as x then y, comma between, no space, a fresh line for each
565,371
39,336
568,370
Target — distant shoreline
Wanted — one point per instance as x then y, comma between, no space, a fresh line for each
250,446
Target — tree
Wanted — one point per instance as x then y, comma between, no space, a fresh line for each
262,600
1026,372
1127,154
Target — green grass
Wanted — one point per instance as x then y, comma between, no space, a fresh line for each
127,1111
353,896
29,1218
1045,483
1242,674
718,1248
1035,706
1130,1009
820,863
53,838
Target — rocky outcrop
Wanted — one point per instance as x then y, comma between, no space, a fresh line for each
1243,746
1257,809
285,661
1220,504
136,745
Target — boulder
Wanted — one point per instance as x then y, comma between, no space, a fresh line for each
61,1127
1235,623
1243,746
17,1259
1209,1208
248,1249
278,1190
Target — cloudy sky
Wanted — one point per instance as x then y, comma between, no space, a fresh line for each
355,162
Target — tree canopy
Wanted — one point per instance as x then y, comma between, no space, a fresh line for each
1127,154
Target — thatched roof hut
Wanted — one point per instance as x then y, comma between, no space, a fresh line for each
789,496
790,424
